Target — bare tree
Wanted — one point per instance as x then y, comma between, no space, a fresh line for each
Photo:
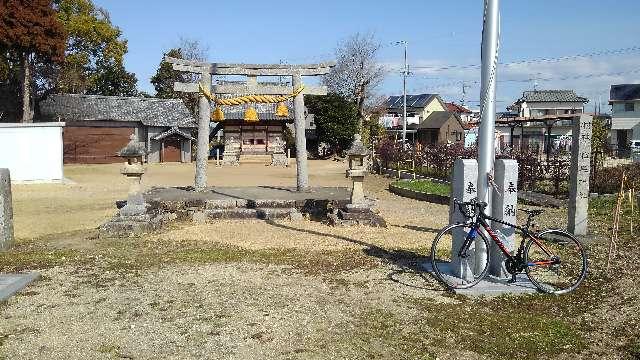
357,73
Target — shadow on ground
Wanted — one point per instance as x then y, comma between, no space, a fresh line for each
408,262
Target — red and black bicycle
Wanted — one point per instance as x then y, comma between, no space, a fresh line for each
554,260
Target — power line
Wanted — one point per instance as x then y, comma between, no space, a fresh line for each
532,61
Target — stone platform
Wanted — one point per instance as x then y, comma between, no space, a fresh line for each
493,286
261,202
12,283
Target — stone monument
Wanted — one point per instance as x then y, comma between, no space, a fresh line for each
278,155
464,188
6,210
360,211
579,174
132,218
231,154
504,205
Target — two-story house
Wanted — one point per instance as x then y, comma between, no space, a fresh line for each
625,116
428,119
541,119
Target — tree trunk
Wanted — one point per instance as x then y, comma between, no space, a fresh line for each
27,112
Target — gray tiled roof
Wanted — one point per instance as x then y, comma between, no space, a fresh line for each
416,101
148,111
624,92
551,96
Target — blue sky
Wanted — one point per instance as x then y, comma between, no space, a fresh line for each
440,33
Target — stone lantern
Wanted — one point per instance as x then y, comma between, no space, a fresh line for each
133,169
357,169
361,209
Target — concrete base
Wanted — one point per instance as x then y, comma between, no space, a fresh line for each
12,283
492,286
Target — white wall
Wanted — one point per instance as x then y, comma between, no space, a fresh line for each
32,152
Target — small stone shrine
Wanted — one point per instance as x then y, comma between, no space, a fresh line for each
361,210
231,154
132,218
278,155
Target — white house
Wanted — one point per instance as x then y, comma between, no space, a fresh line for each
625,116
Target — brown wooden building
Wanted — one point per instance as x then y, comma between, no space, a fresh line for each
439,127
98,126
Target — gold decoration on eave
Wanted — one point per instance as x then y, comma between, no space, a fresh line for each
282,110
218,115
251,115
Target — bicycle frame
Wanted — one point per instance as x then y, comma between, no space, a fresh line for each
481,221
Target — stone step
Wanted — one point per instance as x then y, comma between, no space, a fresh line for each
279,214
232,213
248,158
226,204
267,203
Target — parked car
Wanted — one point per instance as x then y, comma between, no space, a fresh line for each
634,145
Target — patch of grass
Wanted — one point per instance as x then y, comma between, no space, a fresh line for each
425,186
633,349
500,330
17,260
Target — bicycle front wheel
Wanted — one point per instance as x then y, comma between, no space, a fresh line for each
456,267
556,261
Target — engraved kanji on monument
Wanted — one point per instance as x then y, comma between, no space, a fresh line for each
503,207
579,174
463,188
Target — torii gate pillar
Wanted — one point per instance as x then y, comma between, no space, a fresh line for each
302,172
202,150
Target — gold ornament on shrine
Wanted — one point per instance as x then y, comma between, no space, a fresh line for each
218,115
282,110
251,115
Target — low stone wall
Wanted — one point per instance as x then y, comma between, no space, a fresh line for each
418,195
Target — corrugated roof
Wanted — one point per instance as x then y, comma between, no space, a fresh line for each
624,92
148,111
416,101
551,96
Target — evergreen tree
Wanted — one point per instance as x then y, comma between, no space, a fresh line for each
336,120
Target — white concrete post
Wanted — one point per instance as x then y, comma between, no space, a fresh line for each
302,174
463,188
503,207
579,175
6,210
202,151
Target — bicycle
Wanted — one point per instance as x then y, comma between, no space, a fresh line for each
553,260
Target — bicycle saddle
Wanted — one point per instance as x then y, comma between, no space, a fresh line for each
532,212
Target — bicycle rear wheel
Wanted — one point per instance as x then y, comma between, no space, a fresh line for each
453,270
556,262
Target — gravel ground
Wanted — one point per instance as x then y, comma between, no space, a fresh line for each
281,290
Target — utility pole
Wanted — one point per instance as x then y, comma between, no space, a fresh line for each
464,94
486,136
405,72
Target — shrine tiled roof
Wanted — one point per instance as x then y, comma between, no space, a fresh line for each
148,111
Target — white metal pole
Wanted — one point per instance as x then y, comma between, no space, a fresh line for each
404,96
486,135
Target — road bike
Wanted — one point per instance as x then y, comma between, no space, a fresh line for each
553,260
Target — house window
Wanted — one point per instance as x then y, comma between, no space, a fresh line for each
629,106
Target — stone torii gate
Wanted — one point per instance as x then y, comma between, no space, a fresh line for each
251,86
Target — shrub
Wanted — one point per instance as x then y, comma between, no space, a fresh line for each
607,181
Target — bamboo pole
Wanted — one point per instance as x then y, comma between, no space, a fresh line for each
616,224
